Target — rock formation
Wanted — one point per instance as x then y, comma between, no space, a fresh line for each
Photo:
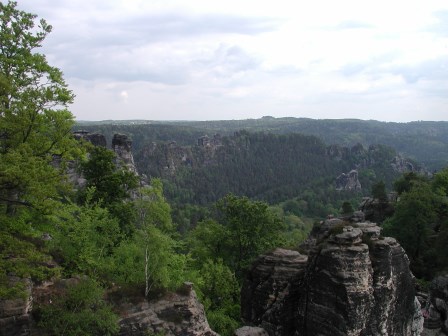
436,308
377,211
15,314
122,146
95,139
173,315
348,181
353,282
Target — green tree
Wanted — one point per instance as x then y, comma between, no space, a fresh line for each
148,258
411,223
35,125
379,191
347,208
406,181
82,311
84,237
250,229
111,186
152,207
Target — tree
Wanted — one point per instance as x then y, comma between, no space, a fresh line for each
347,208
251,229
84,237
35,124
379,191
81,311
411,223
148,257
112,186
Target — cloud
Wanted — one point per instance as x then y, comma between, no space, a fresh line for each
124,96
153,47
441,25
432,70
232,59
353,25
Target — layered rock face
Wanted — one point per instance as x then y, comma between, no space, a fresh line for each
348,181
15,314
353,282
95,139
122,146
436,310
270,291
173,315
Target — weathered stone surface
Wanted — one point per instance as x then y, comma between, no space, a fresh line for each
173,315
437,307
250,331
355,283
348,181
15,314
122,146
270,293
95,139
377,211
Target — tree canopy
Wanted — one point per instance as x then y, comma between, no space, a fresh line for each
35,125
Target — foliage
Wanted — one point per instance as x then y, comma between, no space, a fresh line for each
152,208
250,227
22,257
347,208
222,321
420,222
148,259
379,191
219,291
84,237
149,256
111,186
406,181
219,285
81,311
34,122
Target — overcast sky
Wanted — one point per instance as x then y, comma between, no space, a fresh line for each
226,59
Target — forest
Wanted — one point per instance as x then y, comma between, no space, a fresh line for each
120,238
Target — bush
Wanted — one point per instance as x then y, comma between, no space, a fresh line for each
82,311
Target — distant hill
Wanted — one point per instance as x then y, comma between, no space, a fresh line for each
423,141
270,167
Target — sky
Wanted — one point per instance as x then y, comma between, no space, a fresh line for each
240,59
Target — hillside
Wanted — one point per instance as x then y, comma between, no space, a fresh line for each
423,141
269,167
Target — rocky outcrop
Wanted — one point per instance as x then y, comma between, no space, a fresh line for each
250,331
173,315
376,210
15,314
436,309
122,146
95,139
269,293
402,165
348,181
353,282
165,159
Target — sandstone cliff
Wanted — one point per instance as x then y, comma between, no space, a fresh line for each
353,282
436,307
172,315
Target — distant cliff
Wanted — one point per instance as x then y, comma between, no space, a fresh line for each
267,166
352,282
